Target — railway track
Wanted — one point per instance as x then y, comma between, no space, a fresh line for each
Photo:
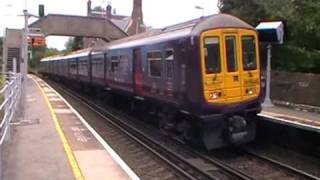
189,163
280,165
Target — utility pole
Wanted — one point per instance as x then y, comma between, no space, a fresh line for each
24,65
267,102
270,32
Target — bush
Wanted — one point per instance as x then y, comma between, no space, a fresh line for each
294,59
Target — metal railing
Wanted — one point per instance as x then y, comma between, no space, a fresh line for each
10,96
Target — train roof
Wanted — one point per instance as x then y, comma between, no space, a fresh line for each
186,29
74,54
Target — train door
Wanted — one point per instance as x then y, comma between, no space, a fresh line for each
137,70
231,61
249,56
220,66
105,67
212,74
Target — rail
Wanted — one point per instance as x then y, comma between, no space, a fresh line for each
9,101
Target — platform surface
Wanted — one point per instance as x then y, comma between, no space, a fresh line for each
53,141
297,118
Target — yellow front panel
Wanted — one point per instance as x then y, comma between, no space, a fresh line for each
233,83
250,78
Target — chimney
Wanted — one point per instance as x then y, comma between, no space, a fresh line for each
137,25
137,10
89,8
109,9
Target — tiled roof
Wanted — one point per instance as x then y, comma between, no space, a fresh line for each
119,20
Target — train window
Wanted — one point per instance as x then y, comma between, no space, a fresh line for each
154,64
114,63
169,63
73,67
83,67
249,53
124,63
212,55
231,54
97,67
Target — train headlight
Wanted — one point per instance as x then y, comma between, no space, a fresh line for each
250,91
215,95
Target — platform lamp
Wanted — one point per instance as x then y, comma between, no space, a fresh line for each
24,68
270,32
200,8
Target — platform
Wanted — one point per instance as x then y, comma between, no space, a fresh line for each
300,119
53,141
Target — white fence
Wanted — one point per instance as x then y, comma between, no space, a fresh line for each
10,96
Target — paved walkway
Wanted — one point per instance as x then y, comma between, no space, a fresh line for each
35,151
54,142
302,119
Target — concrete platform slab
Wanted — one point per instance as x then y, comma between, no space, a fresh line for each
54,142
95,164
300,119
92,155
35,150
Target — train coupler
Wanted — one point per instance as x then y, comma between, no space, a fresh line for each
239,130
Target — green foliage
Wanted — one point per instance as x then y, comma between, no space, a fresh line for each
2,80
249,10
40,52
98,9
295,59
1,45
73,44
302,43
1,50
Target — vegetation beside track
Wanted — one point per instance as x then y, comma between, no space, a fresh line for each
301,50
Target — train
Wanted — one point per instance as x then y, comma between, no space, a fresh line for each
201,79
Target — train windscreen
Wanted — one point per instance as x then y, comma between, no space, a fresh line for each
212,55
249,53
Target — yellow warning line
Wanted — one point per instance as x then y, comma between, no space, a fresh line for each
289,116
72,160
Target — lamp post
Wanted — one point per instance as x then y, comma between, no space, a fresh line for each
200,8
267,102
24,62
24,65
270,32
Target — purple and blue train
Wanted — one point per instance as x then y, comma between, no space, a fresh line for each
201,78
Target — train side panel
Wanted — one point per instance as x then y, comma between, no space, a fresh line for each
119,70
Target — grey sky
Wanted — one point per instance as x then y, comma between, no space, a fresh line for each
156,13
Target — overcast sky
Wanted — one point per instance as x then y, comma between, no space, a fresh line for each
156,13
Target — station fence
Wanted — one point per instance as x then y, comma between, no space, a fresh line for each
10,95
297,88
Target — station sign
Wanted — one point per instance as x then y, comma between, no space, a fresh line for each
36,41
36,38
271,31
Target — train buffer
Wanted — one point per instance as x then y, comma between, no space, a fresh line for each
54,142
305,120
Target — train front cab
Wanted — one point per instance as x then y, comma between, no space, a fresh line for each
231,84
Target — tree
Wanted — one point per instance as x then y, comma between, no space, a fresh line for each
73,44
51,52
1,52
1,47
41,52
301,51
248,10
98,9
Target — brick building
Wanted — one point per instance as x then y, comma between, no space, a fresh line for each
130,24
